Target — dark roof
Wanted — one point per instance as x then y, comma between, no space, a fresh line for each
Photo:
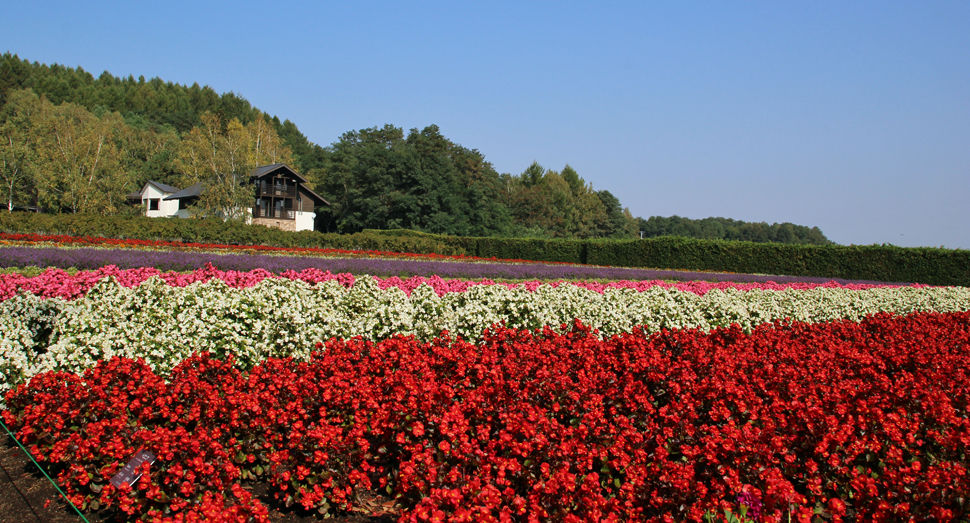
314,195
165,188
137,195
190,192
259,172
196,190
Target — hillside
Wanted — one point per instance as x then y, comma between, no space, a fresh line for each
76,143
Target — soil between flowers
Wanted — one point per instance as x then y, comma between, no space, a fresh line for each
24,492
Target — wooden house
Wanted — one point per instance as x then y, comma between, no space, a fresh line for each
283,200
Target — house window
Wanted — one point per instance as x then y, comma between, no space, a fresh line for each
183,204
153,204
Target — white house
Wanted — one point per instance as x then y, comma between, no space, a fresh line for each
152,196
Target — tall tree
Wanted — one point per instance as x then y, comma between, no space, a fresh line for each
79,166
619,219
376,178
213,157
433,185
150,151
531,203
586,212
221,158
487,213
547,203
265,145
17,156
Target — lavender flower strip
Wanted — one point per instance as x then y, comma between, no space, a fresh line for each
92,258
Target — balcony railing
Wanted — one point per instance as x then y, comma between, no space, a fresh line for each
281,214
287,192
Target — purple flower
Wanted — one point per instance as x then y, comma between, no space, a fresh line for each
753,504
92,258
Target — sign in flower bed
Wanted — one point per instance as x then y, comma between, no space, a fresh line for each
840,421
56,321
844,408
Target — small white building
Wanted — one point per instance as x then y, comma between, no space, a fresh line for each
152,196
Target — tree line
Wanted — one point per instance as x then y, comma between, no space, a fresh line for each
153,105
70,142
380,178
66,158
728,229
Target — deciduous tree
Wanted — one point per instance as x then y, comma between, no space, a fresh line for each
16,149
222,157
78,164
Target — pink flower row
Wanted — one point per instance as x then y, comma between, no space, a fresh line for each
58,283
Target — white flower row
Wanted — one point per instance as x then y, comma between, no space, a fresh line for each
282,317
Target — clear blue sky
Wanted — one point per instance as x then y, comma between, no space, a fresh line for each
852,116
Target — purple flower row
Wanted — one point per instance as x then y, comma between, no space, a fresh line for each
89,258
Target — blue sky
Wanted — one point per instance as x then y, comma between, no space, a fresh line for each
850,116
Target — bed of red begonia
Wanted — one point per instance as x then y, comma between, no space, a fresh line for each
839,421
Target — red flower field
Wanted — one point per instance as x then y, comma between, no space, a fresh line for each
827,422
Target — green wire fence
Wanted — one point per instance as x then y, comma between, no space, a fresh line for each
44,472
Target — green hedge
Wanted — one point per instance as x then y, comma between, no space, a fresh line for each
931,266
570,251
880,263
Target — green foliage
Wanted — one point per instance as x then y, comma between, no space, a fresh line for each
549,204
617,221
874,262
62,157
222,161
729,517
728,229
218,231
159,106
16,151
128,131
536,249
378,179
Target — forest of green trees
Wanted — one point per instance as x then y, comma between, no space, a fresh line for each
70,142
728,229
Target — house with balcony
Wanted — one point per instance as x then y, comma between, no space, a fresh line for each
281,199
